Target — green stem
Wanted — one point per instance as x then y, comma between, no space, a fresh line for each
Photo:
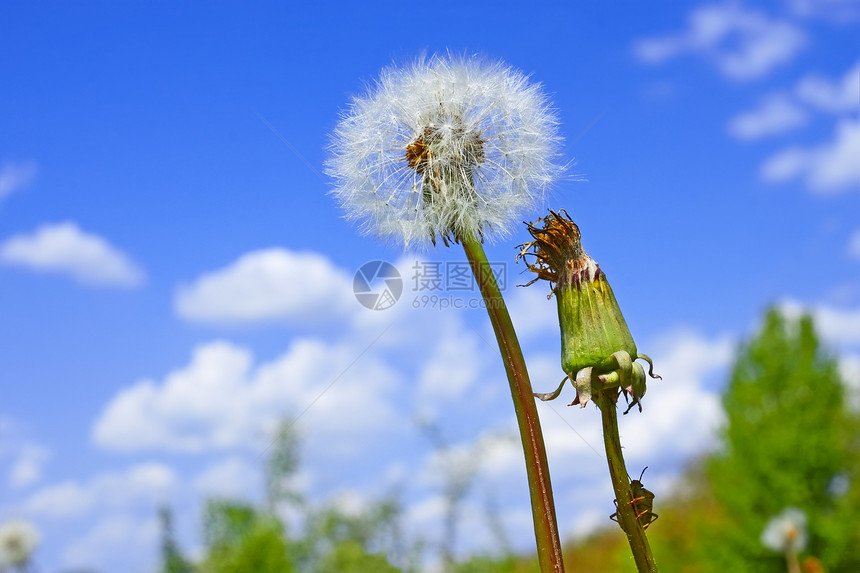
537,467
621,482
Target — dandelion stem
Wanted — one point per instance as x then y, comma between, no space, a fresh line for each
621,482
537,467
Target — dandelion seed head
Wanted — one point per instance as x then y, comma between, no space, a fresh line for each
18,539
786,529
449,146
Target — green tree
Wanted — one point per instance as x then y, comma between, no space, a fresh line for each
282,465
240,538
789,441
172,560
335,540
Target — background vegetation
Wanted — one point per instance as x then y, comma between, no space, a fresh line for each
789,440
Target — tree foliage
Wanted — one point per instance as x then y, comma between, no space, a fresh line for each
789,440
240,538
172,560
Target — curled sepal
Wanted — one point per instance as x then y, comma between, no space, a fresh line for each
630,377
582,382
554,394
634,392
650,362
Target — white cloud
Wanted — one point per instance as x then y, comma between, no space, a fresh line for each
148,483
744,44
785,165
232,477
776,114
837,11
491,453
26,457
60,501
531,312
849,369
15,176
841,96
107,521
681,412
65,249
452,366
116,538
220,400
853,246
827,168
27,468
840,329
838,326
271,284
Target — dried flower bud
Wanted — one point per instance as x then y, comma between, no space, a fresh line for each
596,345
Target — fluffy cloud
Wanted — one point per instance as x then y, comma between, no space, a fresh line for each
838,96
840,329
776,114
146,483
532,313
853,246
61,501
830,166
344,390
437,378
26,457
116,539
271,284
849,369
15,176
231,477
744,44
65,249
220,400
488,476
838,326
682,411
837,11
827,168
27,468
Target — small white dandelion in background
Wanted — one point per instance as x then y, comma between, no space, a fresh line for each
18,540
786,531
448,147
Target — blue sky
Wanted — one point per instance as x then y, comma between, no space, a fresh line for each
174,279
